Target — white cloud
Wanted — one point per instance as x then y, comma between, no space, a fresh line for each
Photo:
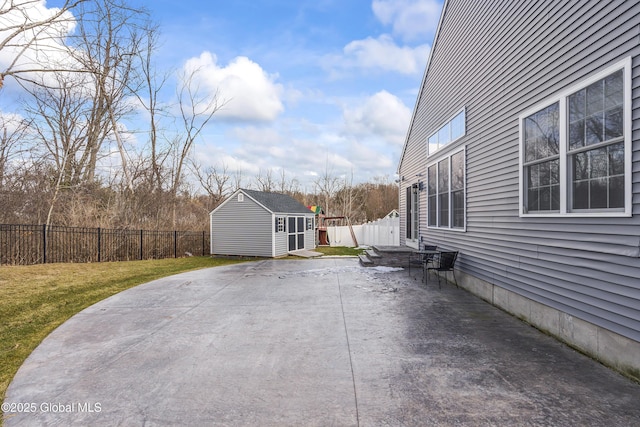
383,53
380,53
364,141
368,159
410,19
382,115
249,92
303,156
45,46
10,122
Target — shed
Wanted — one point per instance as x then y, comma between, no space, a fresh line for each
257,223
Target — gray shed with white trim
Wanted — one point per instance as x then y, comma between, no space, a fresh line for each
262,224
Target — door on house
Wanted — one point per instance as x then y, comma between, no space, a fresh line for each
296,233
413,215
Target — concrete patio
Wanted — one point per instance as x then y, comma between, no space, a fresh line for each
316,342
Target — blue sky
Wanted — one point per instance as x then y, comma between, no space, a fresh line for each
311,86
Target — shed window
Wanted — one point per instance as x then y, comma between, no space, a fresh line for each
309,223
576,152
280,224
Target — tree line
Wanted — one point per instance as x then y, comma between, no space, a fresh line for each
69,157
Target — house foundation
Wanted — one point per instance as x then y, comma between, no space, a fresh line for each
611,349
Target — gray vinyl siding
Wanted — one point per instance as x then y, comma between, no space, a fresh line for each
281,240
310,236
498,59
242,228
413,164
310,239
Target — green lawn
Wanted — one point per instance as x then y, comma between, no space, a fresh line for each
338,250
36,299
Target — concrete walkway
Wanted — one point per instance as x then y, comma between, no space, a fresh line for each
320,342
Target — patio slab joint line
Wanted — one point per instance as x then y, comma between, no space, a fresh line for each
346,333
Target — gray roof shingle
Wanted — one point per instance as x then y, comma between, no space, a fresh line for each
277,202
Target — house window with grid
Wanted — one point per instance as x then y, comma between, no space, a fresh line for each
596,144
542,159
576,151
446,197
280,224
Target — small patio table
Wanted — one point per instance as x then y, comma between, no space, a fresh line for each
424,255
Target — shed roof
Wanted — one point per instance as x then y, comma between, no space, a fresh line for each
277,202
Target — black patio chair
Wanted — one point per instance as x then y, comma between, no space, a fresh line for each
446,262
422,260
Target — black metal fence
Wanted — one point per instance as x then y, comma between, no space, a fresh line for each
39,244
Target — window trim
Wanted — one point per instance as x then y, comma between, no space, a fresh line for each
565,175
435,162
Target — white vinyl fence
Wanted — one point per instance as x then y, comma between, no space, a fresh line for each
385,231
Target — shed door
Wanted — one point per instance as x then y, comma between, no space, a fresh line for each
296,232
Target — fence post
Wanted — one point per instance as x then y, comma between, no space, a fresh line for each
99,254
44,243
203,242
141,239
175,243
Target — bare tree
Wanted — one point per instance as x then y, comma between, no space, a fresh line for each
77,110
148,95
238,179
60,117
24,33
286,185
109,37
77,115
265,181
382,198
196,110
350,200
12,133
215,181
68,126
327,185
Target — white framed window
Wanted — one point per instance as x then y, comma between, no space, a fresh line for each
240,197
575,150
280,224
446,192
309,223
454,129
